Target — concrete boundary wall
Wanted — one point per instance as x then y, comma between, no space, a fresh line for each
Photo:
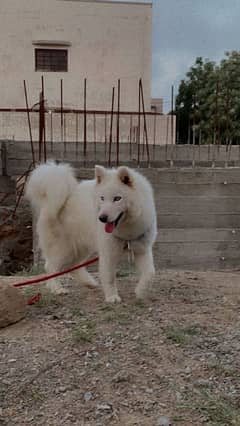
16,155
198,217
198,214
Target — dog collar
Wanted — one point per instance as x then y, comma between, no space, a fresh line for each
131,240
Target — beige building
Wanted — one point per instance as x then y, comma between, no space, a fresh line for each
70,40
157,105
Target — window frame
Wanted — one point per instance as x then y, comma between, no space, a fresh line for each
52,66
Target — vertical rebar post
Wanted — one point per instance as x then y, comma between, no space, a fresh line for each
85,121
118,119
40,127
145,123
76,144
43,121
111,127
105,130
61,107
172,98
139,124
29,122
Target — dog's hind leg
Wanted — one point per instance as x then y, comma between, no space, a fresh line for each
83,276
53,284
145,267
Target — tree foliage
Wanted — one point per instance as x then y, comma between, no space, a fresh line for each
208,102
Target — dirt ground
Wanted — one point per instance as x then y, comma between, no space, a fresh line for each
173,359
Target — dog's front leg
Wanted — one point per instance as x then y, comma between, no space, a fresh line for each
145,267
108,260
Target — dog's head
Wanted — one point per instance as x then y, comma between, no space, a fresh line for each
113,190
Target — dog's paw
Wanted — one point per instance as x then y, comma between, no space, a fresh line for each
62,290
141,293
91,284
113,299
56,288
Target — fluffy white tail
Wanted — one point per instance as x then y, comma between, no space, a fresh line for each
49,186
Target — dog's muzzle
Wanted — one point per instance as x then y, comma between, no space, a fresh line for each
110,226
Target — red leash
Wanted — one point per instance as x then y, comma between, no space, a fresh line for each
34,299
37,296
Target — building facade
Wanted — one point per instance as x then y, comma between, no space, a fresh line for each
102,41
64,43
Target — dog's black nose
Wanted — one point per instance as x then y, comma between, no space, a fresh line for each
103,218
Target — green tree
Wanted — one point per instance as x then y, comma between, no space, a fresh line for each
208,102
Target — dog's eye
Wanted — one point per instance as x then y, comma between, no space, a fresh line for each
117,198
102,198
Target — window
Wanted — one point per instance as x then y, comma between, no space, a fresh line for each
55,60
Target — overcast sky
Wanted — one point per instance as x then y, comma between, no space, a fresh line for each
185,29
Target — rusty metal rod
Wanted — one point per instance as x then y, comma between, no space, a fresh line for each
76,144
111,127
61,108
64,134
139,124
118,120
145,123
77,110
105,130
40,128
43,118
85,119
29,122
94,136
51,130
172,97
130,137
25,175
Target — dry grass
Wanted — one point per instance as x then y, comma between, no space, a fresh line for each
174,355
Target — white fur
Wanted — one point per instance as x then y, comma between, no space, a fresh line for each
70,231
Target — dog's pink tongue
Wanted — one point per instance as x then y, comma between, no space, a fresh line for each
109,227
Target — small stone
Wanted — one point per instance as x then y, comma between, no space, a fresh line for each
178,396
121,376
187,370
88,396
69,416
104,407
12,305
203,383
61,389
109,342
148,390
164,421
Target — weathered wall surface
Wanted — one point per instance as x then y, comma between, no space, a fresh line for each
198,217
106,41
16,156
161,129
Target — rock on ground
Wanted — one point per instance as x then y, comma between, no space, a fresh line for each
12,305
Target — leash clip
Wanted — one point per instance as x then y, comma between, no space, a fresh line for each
130,253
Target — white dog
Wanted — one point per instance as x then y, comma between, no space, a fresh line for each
105,215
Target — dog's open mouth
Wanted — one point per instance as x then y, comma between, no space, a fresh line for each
110,226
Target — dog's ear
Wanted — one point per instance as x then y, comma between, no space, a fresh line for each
99,173
125,176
